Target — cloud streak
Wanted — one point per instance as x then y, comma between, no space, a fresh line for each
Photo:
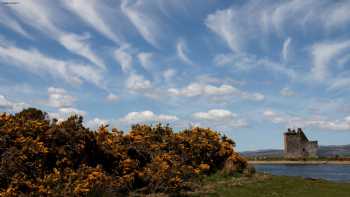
198,89
323,53
46,20
148,25
146,117
89,13
311,122
181,50
40,64
12,106
220,118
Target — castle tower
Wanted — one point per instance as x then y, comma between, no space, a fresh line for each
296,145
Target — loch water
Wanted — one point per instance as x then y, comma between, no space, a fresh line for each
331,172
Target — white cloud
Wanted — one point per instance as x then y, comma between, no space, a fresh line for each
146,117
72,111
214,114
311,122
146,24
123,58
219,90
199,89
40,12
64,113
138,83
146,60
252,22
182,50
88,11
273,116
59,98
220,118
326,16
252,96
112,97
64,104
47,17
79,45
96,123
287,92
222,23
285,48
323,53
11,106
339,83
40,64
338,16
11,23
168,74
248,62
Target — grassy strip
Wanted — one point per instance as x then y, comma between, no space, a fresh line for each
264,185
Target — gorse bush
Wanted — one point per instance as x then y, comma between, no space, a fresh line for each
42,157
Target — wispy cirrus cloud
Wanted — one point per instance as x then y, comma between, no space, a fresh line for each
41,64
248,62
220,23
254,21
7,20
79,44
145,58
285,49
93,13
308,122
147,22
323,53
47,17
124,58
182,50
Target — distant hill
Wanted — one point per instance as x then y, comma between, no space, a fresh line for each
332,151
323,151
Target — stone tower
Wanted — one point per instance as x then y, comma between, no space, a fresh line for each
297,146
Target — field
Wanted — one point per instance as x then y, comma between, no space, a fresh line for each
264,185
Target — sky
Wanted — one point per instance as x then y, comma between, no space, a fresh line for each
248,69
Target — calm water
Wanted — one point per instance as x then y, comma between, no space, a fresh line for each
329,172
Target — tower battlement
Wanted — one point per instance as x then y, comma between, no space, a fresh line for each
297,145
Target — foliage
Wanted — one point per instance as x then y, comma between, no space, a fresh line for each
42,157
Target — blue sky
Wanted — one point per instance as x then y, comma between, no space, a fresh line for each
249,69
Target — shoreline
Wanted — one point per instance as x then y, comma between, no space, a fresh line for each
299,162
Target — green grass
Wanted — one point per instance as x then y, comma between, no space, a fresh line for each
263,185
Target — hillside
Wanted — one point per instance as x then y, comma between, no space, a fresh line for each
323,152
